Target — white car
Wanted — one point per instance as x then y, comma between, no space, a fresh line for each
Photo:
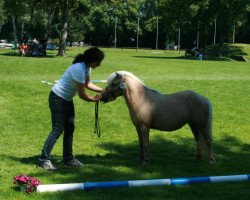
5,45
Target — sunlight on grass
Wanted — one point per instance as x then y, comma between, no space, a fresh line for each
25,124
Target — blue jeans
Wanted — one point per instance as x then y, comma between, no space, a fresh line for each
63,120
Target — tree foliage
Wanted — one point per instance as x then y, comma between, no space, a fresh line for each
94,21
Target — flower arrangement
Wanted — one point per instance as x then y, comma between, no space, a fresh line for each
26,183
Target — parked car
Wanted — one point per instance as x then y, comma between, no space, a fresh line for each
5,45
51,46
75,44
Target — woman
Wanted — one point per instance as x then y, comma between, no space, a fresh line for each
76,79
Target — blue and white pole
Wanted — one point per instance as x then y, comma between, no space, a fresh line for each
138,183
99,81
93,81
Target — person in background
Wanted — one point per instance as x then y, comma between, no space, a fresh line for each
23,49
75,80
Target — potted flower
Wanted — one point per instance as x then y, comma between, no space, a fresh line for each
26,183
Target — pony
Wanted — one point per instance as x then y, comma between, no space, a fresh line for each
150,109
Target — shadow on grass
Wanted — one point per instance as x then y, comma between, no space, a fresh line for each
169,160
184,58
15,54
161,57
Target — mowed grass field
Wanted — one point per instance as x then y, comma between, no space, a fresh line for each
25,124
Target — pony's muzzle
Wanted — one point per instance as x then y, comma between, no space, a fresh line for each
112,92
107,97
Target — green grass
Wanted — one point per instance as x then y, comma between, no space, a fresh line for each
25,124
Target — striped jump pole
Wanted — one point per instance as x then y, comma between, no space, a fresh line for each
137,183
99,81
93,81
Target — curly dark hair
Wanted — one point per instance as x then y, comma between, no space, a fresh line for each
91,55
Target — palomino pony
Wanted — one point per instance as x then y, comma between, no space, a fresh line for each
165,112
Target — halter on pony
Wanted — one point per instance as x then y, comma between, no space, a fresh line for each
113,87
110,95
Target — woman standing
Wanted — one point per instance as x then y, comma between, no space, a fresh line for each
75,80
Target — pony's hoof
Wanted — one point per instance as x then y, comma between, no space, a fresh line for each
211,160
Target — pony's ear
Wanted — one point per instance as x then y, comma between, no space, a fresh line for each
118,75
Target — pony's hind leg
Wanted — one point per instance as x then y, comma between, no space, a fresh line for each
203,137
207,135
206,132
143,135
198,139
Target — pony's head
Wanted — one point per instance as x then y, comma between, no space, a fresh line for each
116,85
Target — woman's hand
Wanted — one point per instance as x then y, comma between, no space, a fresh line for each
98,97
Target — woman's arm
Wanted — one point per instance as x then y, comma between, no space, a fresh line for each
83,95
92,86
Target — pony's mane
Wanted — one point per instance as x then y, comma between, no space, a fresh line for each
112,76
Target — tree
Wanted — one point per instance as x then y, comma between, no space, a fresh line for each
79,23
94,21
66,7
175,14
244,32
101,23
26,19
128,20
2,17
64,29
226,14
149,16
14,9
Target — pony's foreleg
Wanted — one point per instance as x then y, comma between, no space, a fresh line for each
143,135
140,144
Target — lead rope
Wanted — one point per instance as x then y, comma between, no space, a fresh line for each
97,126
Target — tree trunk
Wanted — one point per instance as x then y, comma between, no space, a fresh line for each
64,32
51,12
14,28
16,21
30,24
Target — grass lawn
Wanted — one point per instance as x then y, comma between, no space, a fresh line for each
25,124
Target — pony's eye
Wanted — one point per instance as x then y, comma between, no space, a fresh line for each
113,84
